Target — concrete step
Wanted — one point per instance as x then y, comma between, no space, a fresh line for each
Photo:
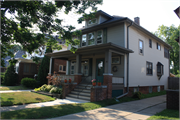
83,87
79,97
83,90
89,85
81,93
76,99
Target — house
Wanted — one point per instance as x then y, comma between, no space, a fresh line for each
118,52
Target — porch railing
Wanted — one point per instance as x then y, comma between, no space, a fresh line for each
117,80
63,77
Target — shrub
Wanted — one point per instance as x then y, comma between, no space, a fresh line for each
48,88
37,89
28,82
2,78
10,77
43,88
56,90
137,95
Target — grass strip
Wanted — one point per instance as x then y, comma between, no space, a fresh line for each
167,114
61,110
20,98
13,88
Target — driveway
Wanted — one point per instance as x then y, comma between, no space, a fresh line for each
140,109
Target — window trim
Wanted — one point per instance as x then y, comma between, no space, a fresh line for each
89,39
142,47
62,66
147,68
116,57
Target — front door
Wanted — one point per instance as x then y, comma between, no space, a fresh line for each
99,70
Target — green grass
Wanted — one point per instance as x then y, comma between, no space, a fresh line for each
20,87
61,110
166,114
20,98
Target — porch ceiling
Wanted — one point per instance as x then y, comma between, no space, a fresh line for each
90,50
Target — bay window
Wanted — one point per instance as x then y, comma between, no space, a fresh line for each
91,38
99,36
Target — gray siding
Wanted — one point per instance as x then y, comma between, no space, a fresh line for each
101,19
115,35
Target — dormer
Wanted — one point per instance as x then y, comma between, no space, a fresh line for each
100,17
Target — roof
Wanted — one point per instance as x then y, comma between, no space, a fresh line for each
90,50
114,20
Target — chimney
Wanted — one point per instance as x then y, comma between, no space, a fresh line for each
137,20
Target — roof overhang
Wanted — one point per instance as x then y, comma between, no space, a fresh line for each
90,50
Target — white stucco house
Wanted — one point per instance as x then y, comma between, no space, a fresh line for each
121,54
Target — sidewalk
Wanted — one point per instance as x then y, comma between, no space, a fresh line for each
43,104
7,91
140,109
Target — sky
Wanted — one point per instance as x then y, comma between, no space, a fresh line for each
152,13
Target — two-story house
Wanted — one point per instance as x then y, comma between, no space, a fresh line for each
121,54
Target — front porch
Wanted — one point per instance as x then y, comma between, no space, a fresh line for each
105,62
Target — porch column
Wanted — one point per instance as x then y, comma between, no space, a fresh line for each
107,74
50,65
78,74
67,67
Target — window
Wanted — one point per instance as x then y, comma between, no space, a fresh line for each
99,36
73,65
166,53
136,89
91,38
150,89
158,88
149,68
62,68
140,47
158,46
84,40
150,43
159,70
93,21
115,60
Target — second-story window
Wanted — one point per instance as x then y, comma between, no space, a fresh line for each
99,36
166,53
91,38
150,43
141,47
84,40
158,46
93,21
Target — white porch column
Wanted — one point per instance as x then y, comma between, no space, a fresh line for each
108,55
67,67
50,65
78,64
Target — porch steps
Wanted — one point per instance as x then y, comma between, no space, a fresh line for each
81,91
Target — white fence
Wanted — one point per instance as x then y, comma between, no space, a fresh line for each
117,80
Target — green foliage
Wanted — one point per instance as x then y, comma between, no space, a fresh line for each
169,34
56,90
2,77
10,78
48,88
18,28
43,87
37,89
137,95
29,82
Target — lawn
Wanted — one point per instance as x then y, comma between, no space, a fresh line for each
61,110
20,98
166,114
13,88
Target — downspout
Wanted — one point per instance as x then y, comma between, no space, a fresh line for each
127,63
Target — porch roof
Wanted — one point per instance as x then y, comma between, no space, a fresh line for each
90,50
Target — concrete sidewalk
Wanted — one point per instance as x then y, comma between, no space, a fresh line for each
34,105
140,109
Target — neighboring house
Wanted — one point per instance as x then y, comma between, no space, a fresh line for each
121,54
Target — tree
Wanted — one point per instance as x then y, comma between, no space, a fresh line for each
11,77
169,34
42,14
44,69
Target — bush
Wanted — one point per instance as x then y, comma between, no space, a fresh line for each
37,89
43,88
56,90
137,95
29,82
10,77
48,88
2,78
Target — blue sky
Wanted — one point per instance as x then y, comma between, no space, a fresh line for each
152,13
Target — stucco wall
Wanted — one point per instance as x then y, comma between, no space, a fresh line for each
115,35
137,62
